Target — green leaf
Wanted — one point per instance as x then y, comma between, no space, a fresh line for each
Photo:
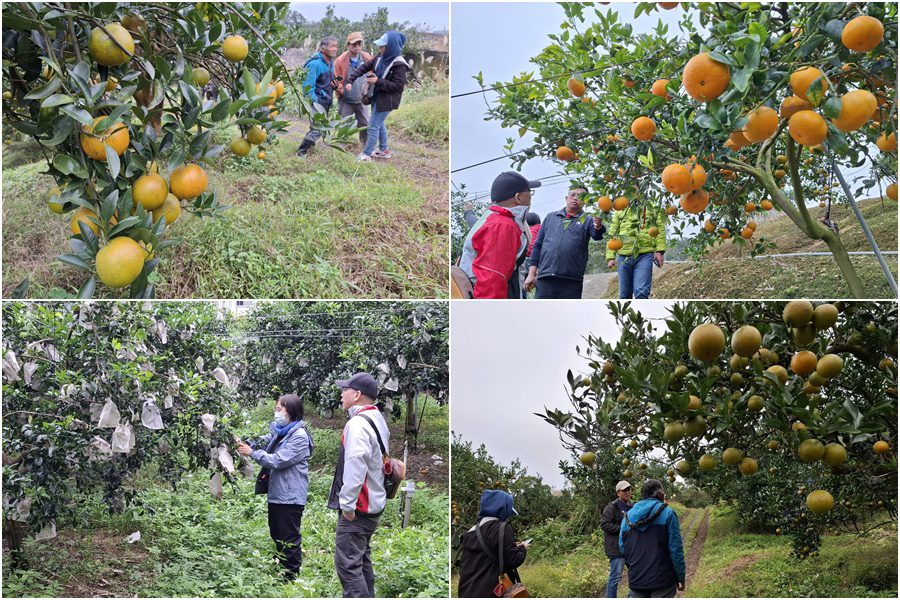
832,108
716,56
249,85
220,110
45,90
199,143
816,91
79,114
112,159
65,164
741,79
86,291
123,225
74,260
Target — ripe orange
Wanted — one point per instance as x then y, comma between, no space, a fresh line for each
724,234
94,145
614,244
761,124
891,191
105,51
808,128
671,210
729,143
802,78
653,231
709,226
887,143
82,215
751,225
705,79
746,233
188,181
668,5
695,202
779,173
576,87
279,88
120,262
261,155
750,207
170,209
677,179
643,129
604,204
862,33
738,139
857,107
628,83
767,205
235,48
620,203
698,176
659,89
804,362
150,191
706,342
881,447
793,104
565,153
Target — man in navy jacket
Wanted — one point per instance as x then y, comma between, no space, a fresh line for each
560,253
650,540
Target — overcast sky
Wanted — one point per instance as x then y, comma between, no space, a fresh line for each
510,361
436,15
498,39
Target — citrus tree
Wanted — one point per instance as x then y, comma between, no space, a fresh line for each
750,107
123,100
94,391
795,420
303,347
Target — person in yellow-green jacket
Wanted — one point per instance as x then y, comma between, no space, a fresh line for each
642,231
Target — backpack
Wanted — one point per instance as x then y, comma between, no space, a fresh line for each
394,470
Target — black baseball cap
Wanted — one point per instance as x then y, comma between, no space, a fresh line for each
510,183
362,382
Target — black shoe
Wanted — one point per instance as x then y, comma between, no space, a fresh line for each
302,152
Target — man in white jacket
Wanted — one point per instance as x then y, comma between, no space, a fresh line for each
357,490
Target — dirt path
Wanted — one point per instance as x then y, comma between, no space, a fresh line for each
596,285
692,561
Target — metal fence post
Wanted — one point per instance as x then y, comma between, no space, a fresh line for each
408,492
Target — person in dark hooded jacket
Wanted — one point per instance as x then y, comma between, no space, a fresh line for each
610,521
650,540
386,75
478,570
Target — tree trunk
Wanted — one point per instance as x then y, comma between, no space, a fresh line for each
412,420
14,532
843,261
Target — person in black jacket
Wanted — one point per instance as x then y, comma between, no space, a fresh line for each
479,567
610,521
560,253
386,75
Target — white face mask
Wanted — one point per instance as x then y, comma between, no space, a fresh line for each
281,419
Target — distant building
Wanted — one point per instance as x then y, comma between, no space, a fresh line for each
237,308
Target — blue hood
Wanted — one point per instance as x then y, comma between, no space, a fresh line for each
314,58
496,503
643,510
394,48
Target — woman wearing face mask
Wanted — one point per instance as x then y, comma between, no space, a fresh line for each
285,453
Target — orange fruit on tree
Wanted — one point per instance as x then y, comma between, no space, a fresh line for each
705,79
808,128
887,143
804,362
767,205
761,124
724,234
695,202
892,191
881,447
671,210
751,225
256,135
621,203
653,231
709,226
200,76
565,153
604,204
628,83
235,48
677,179
115,136
107,52
698,176
857,107
738,139
614,244
746,233
668,5
120,262
802,78
750,207
83,215
659,89
779,173
170,209
643,128
240,146
188,181
150,191
731,145
261,155
576,87
862,33
793,104
279,88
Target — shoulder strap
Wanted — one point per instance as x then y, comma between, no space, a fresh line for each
377,433
646,519
482,543
500,537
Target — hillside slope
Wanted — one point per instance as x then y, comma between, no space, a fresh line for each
724,273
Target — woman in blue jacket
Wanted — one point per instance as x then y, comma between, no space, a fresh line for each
285,452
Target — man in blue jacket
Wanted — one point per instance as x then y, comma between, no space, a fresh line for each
318,85
650,540
560,253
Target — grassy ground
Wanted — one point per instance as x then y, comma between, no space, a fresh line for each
192,545
725,274
734,564
325,226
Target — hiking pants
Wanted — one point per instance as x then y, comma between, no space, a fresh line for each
284,527
352,555
345,109
615,576
668,592
312,136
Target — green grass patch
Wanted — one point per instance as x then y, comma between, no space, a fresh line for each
424,121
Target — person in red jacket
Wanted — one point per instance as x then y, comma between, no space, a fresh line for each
497,243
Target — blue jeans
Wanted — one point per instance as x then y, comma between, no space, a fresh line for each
377,132
615,576
635,275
